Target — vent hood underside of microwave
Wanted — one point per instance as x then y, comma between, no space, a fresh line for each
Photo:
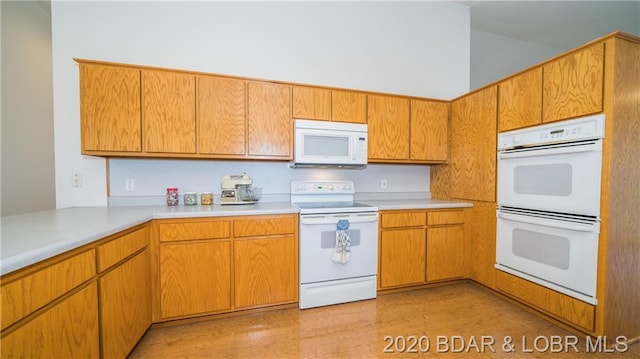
321,165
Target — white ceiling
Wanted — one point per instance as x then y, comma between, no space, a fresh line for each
558,24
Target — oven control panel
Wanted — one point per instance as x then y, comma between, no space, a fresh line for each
590,127
322,187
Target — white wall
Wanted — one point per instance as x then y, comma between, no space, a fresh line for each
27,109
494,57
415,48
152,177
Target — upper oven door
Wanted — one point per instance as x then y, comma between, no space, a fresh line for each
559,178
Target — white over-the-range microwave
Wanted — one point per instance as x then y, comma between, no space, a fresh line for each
329,144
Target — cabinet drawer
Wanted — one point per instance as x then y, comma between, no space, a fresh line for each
25,295
184,231
120,248
251,227
403,219
445,217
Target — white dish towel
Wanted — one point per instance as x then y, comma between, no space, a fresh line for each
342,251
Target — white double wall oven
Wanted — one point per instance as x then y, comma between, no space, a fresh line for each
548,218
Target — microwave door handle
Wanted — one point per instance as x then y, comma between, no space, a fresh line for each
549,223
354,149
551,151
330,219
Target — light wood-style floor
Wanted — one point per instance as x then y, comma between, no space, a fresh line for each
458,312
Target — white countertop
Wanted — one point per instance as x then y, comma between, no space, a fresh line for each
29,238
392,204
33,237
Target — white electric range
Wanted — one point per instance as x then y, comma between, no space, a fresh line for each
327,275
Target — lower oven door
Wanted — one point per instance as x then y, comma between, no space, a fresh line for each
558,254
318,242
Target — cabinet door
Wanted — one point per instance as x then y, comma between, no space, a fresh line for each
402,257
269,120
311,103
265,271
429,130
348,106
445,253
473,146
520,101
221,116
169,112
125,305
110,108
573,85
67,330
194,278
480,236
388,120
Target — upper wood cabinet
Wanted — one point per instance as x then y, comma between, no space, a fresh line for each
348,106
329,105
429,130
270,126
311,103
388,118
473,152
221,116
520,101
573,84
168,112
110,108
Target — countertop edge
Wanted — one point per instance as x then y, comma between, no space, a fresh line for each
29,257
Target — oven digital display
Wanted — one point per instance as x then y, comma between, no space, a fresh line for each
557,131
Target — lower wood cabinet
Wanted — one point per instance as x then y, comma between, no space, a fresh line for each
221,264
91,302
417,247
445,253
402,257
125,305
124,291
195,278
67,329
265,271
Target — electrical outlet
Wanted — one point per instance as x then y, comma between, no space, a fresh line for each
129,185
383,183
76,180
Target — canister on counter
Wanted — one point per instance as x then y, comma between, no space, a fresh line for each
206,198
190,199
172,196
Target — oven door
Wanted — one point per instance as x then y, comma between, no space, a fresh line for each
318,241
558,254
559,178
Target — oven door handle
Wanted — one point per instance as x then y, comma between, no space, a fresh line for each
333,219
550,222
596,146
